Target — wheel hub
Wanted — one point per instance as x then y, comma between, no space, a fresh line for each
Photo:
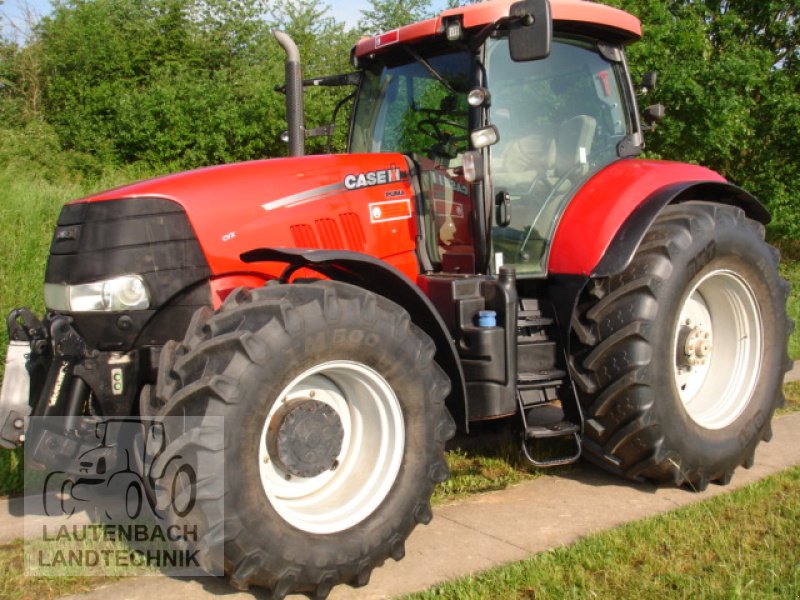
305,438
696,345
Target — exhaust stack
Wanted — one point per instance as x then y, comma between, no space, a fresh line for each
294,95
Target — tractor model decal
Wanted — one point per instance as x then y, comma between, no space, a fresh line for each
392,210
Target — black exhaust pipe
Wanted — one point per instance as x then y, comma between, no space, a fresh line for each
294,95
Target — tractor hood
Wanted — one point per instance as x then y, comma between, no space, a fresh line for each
362,203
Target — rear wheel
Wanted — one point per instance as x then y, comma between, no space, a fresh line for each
334,432
679,360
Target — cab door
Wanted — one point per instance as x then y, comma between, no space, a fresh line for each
561,120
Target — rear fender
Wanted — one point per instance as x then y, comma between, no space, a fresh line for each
627,239
605,222
380,278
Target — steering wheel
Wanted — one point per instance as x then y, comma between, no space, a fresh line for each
446,144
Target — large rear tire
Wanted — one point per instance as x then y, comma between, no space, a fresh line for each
679,360
335,426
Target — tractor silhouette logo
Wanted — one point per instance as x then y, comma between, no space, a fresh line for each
116,480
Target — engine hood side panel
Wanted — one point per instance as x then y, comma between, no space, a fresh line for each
363,203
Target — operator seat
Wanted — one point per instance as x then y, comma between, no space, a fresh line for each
526,159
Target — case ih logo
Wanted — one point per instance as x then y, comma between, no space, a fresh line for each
371,178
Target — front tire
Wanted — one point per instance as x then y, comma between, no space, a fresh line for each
334,431
679,360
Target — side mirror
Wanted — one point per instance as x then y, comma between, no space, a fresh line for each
654,114
530,30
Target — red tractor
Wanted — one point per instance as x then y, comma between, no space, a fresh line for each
490,248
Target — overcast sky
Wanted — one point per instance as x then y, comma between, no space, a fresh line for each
348,11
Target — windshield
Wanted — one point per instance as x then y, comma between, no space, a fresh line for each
417,105
404,107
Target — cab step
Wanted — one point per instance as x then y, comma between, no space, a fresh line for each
553,430
532,318
545,423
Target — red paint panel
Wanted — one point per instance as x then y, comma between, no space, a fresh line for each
353,231
476,15
290,203
599,209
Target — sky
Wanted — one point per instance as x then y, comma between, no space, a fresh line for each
348,11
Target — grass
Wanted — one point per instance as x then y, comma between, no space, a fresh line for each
791,392
738,545
484,468
14,585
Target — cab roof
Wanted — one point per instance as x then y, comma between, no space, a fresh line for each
571,15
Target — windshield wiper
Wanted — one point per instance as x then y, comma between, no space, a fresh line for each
429,68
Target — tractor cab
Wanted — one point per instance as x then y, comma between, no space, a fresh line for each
502,141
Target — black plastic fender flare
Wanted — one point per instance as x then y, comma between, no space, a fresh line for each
383,279
627,239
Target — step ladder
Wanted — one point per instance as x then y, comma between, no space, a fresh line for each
542,415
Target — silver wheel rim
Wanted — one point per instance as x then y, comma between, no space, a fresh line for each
718,342
367,464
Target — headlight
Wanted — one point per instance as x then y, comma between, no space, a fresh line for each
127,292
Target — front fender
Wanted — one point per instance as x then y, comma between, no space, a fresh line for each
380,278
607,219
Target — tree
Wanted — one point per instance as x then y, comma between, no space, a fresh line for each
730,80
172,83
391,14
458,3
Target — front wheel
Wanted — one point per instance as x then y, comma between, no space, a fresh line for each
334,431
679,360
